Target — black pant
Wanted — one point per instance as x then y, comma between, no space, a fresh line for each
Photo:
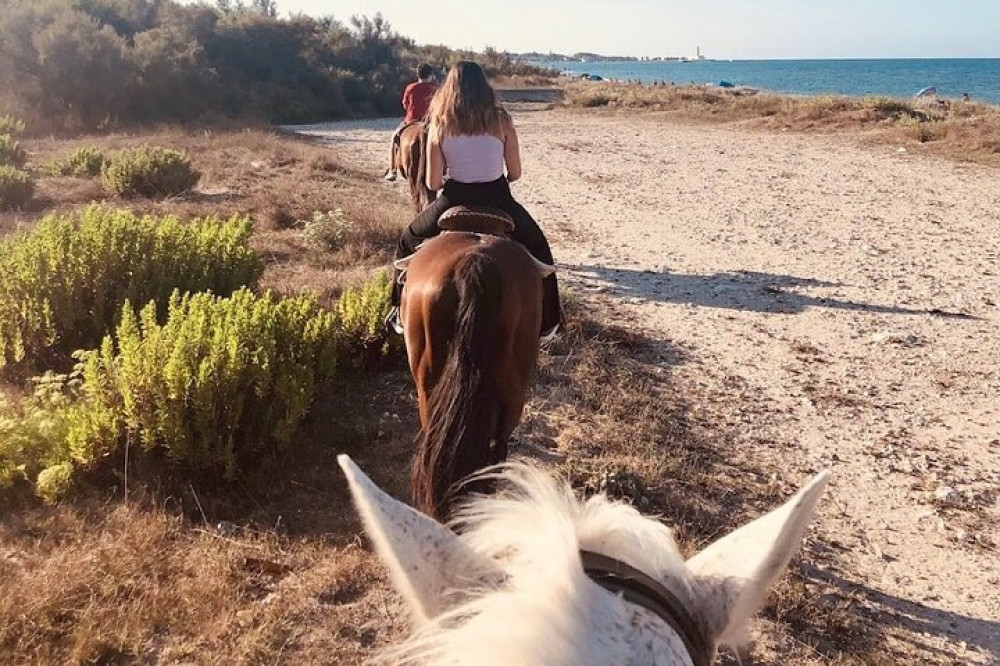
496,194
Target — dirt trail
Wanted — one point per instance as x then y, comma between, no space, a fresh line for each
837,300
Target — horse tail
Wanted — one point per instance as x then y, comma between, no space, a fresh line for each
416,170
460,437
418,178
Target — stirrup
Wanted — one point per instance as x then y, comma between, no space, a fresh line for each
392,321
548,336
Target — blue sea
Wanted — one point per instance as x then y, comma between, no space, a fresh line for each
895,78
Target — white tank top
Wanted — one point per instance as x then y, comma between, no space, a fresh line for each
473,158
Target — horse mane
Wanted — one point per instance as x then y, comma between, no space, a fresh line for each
535,526
462,429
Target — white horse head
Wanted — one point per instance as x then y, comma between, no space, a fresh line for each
511,587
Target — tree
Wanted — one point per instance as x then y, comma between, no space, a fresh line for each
267,8
59,61
126,17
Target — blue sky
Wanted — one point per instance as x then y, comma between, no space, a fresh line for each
722,28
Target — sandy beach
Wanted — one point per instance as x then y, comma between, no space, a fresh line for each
837,306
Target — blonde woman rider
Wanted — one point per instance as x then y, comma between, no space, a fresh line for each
473,156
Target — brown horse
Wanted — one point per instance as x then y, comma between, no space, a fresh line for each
409,153
471,311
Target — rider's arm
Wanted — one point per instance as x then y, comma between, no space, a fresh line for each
435,166
511,151
407,99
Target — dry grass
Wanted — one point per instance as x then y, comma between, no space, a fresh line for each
962,131
513,82
277,179
138,584
267,571
271,570
608,414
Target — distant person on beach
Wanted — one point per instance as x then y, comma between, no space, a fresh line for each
416,101
471,140
965,97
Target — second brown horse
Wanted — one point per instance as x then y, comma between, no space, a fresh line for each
471,311
409,159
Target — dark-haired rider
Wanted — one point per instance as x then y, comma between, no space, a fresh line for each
416,101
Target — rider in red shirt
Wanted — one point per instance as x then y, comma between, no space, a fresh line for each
416,100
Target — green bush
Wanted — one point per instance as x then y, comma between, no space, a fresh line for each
219,385
16,187
62,285
362,313
149,172
34,436
11,126
328,230
85,161
11,152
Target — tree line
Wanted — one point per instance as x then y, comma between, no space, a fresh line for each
91,64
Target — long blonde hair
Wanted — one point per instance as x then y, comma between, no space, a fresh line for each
466,104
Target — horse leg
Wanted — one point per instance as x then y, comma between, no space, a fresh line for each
412,313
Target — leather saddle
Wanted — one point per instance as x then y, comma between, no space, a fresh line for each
477,219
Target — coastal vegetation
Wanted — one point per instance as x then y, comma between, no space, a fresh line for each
99,64
192,338
82,162
967,131
66,281
149,171
16,187
210,534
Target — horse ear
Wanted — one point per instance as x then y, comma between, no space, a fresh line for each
429,564
544,269
731,577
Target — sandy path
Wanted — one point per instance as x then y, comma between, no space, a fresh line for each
838,300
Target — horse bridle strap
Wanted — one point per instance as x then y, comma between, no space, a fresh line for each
642,590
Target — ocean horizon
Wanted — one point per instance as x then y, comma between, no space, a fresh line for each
855,77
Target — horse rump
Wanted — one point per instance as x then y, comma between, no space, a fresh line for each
416,169
462,435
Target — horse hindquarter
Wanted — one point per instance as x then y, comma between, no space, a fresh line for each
472,323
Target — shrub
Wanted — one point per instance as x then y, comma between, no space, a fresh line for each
11,126
149,172
362,313
11,152
16,187
595,100
222,382
885,108
217,388
328,230
62,286
923,132
85,161
34,436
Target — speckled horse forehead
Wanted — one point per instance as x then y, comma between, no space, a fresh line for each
512,589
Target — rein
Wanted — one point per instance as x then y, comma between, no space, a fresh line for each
638,588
